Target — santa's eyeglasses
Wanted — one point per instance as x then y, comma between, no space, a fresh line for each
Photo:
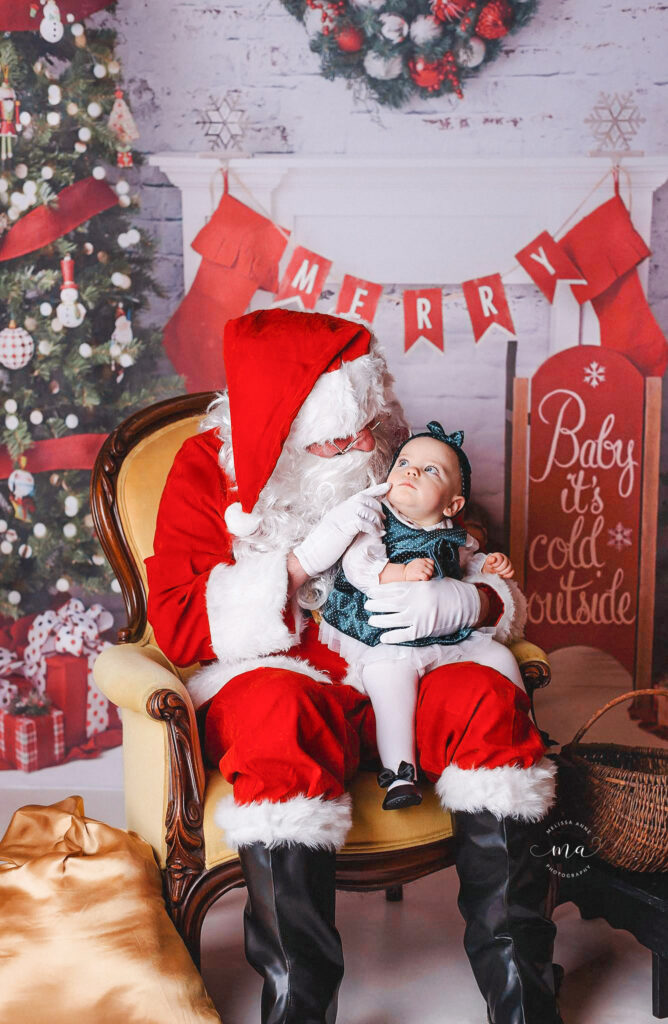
353,442
331,449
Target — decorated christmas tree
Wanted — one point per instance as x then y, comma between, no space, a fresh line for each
75,275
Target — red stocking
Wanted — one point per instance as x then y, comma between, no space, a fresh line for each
628,325
240,252
607,248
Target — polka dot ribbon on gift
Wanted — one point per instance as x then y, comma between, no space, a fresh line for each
9,664
72,629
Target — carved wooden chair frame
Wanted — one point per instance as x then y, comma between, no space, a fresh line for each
190,888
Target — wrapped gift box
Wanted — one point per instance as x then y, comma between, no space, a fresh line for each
30,742
67,687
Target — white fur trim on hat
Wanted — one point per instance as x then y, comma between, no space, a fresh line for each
343,401
508,791
244,603
240,523
309,821
209,681
510,626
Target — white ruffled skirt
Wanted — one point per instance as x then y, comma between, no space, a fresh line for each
480,647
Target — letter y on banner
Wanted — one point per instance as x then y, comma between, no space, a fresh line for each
423,317
546,263
304,278
488,306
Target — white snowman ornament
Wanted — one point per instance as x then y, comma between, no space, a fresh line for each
70,312
121,337
51,27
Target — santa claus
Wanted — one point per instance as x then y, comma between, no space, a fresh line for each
257,509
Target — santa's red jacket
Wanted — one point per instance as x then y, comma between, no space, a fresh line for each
204,606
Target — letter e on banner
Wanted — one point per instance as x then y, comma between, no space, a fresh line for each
546,263
304,278
358,298
488,306
423,317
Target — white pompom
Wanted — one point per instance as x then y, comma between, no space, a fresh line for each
240,523
425,29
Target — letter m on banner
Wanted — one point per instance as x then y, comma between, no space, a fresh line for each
303,280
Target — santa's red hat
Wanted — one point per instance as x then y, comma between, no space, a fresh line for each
273,358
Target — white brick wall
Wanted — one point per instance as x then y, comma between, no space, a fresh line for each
532,101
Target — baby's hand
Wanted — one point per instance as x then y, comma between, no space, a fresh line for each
498,564
419,569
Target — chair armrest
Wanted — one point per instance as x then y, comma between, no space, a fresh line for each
525,651
164,773
129,674
534,665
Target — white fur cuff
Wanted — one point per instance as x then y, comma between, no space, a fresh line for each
245,603
508,792
309,821
207,682
511,625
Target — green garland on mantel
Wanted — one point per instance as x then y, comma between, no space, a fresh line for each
406,47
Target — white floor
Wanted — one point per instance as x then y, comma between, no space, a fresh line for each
405,962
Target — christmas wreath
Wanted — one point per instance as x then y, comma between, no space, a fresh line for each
402,47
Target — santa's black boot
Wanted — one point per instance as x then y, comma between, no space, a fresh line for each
508,938
291,939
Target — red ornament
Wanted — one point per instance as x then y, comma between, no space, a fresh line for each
349,38
430,74
495,20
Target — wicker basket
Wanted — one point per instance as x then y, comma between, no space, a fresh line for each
621,794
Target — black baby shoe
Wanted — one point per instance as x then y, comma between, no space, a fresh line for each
405,795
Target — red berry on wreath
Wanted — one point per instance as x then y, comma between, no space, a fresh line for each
349,38
428,74
495,20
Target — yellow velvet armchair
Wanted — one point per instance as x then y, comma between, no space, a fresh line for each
170,795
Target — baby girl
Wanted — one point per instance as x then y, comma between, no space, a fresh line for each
429,485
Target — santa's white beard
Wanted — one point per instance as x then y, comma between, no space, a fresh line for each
303,487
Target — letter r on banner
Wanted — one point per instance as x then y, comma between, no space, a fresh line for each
488,306
358,298
423,317
546,263
304,278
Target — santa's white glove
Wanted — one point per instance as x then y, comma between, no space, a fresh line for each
410,611
325,544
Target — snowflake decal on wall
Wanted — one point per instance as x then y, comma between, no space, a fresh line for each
614,121
594,374
619,537
224,121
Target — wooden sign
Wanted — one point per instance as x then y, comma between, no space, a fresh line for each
583,536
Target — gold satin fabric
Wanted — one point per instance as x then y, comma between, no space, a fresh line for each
84,933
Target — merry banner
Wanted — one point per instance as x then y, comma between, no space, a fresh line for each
584,502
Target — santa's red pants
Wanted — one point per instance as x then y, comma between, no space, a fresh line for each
278,734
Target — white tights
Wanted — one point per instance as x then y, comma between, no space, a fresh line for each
392,688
